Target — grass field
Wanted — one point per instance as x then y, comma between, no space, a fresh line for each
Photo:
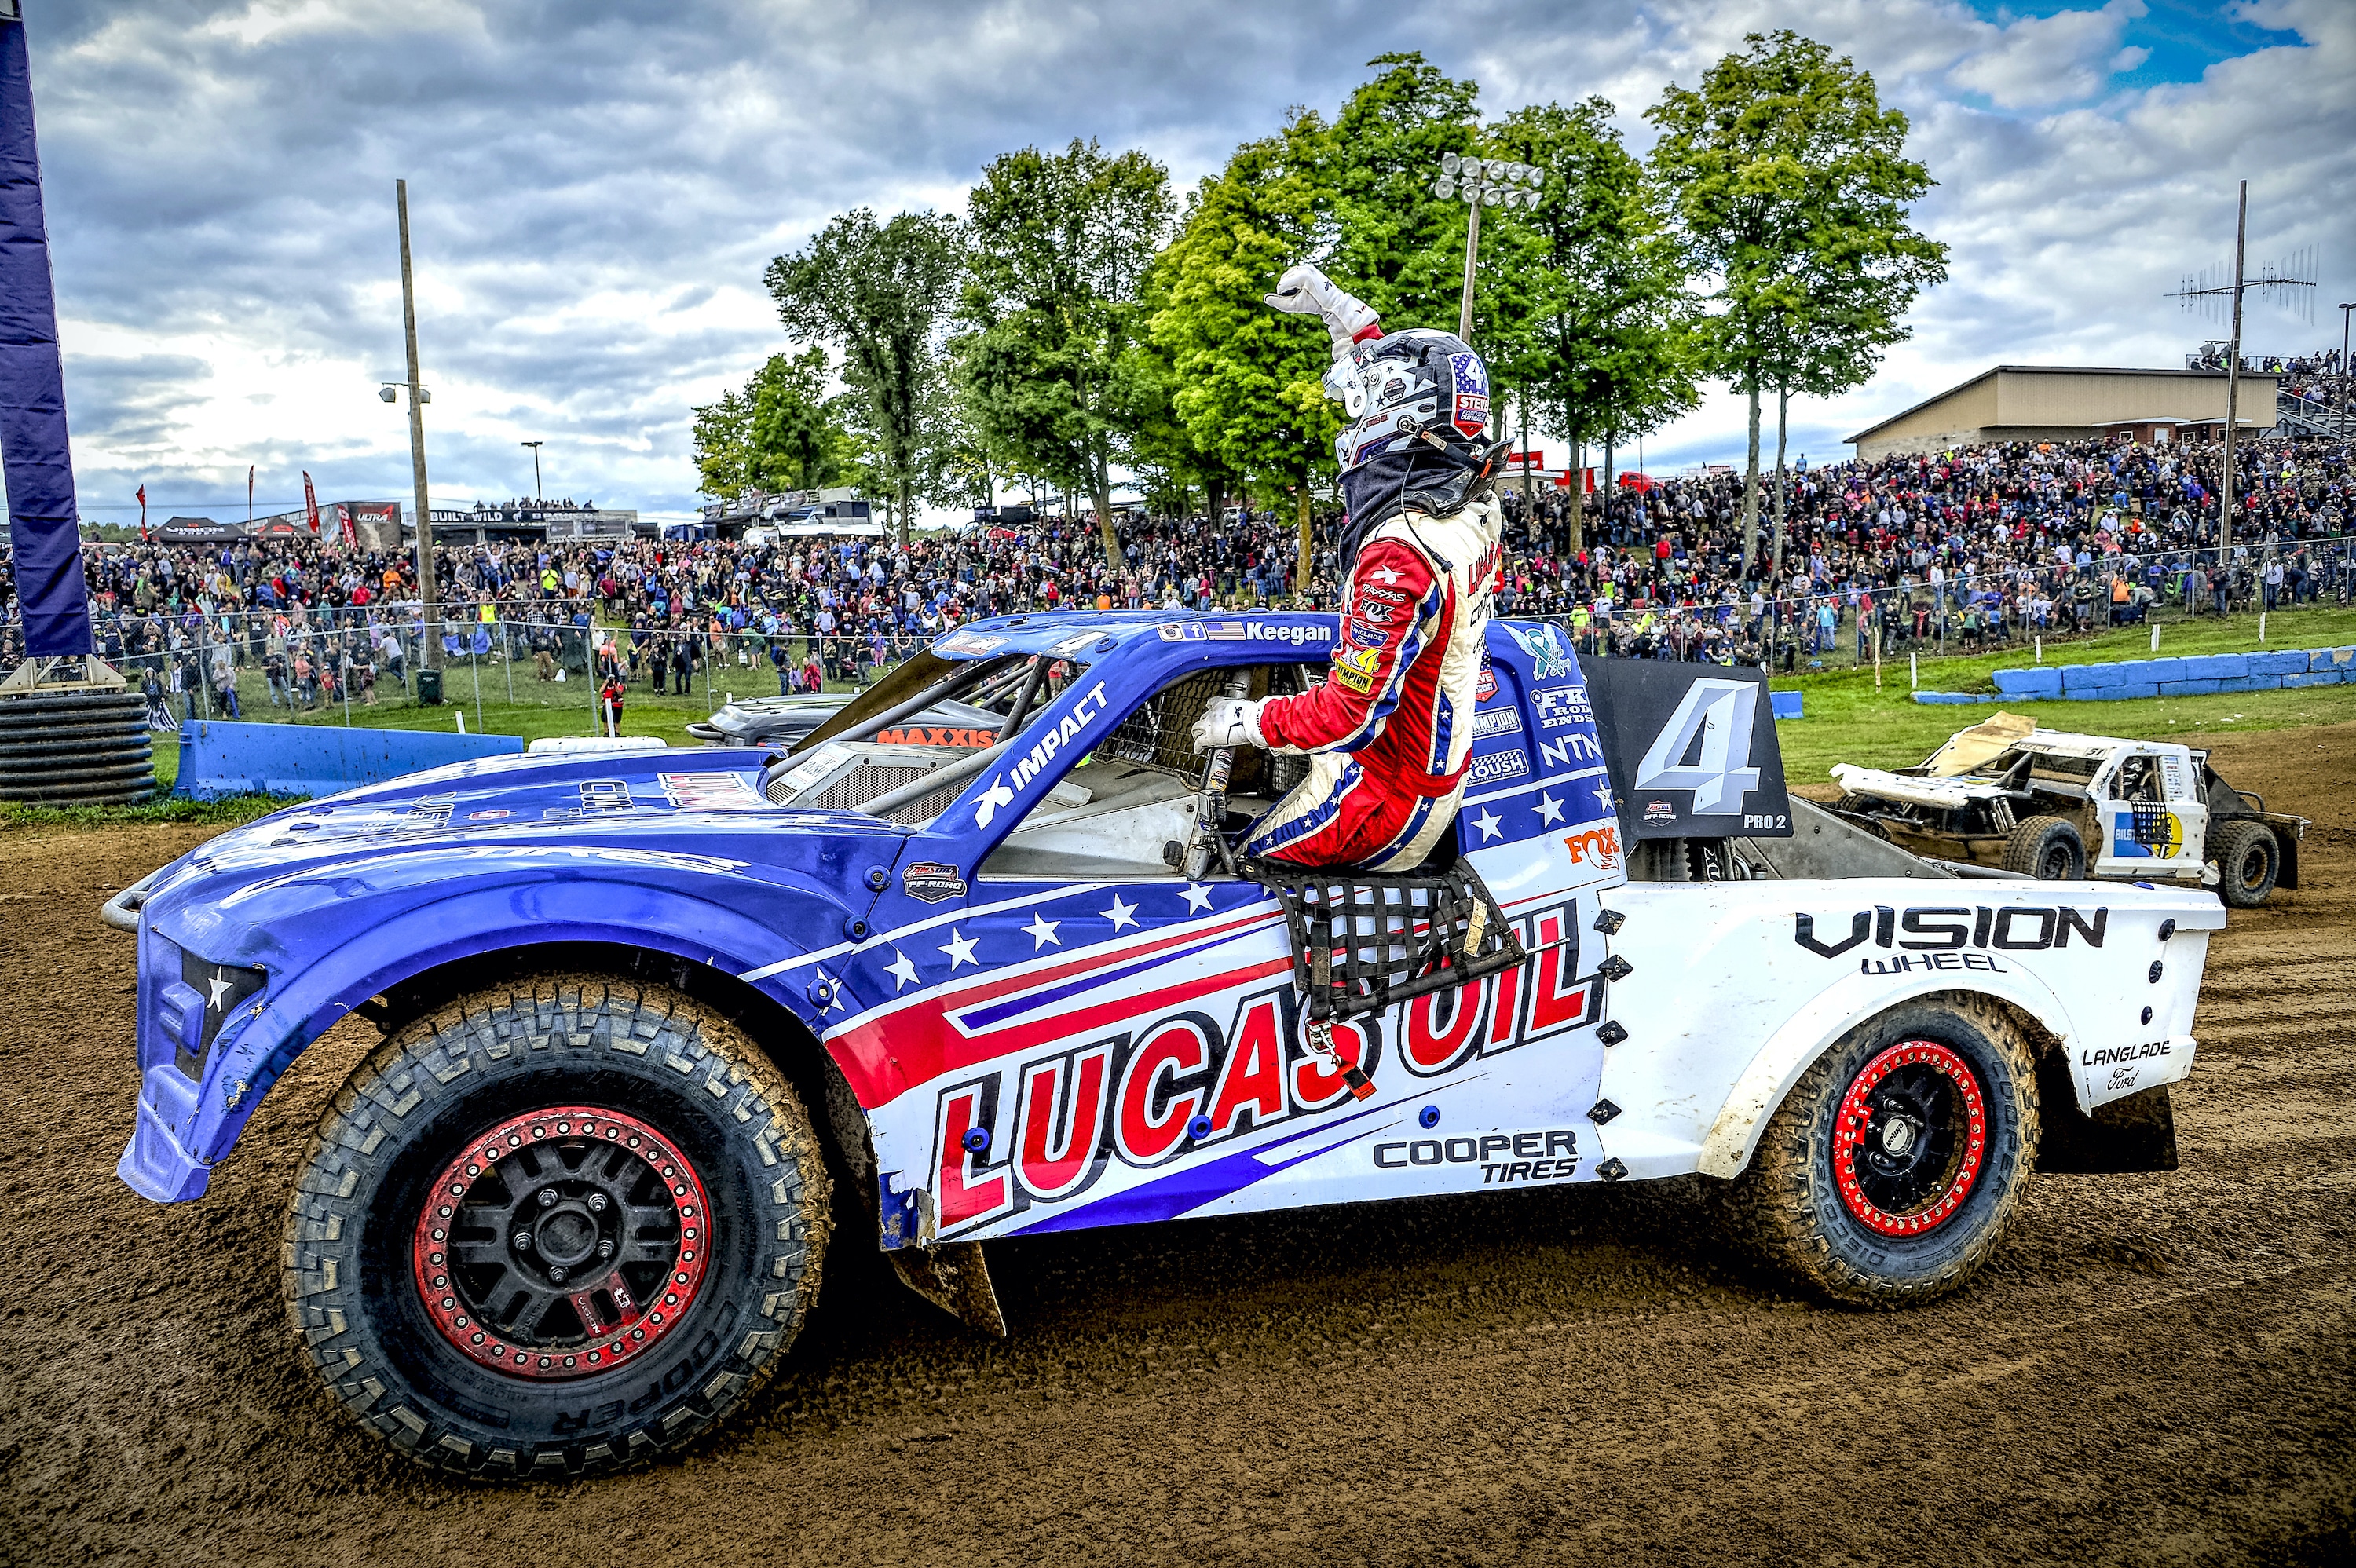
1850,721
1849,718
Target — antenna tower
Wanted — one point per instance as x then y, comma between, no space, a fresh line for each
2209,293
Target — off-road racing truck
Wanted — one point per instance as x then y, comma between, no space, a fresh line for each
658,1029
2008,794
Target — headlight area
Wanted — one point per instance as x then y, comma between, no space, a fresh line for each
186,1001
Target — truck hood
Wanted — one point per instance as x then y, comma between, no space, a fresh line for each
638,812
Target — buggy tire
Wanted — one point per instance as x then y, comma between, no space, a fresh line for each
595,1068
1793,1208
2048,849
2249,860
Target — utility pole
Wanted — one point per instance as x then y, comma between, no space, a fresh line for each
429,612
2232,389
2344,377
535,471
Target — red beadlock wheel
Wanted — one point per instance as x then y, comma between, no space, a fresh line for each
1910,1138
561,1243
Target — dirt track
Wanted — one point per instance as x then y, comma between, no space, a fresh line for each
2157,1368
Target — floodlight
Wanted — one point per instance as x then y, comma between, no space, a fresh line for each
1443,188
1475,167
387,393
424,395
1493,196
1450,163
1470,193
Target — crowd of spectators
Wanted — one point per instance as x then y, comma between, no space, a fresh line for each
1967,548
1963,550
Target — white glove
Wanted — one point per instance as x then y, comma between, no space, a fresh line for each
1229,721
1305,291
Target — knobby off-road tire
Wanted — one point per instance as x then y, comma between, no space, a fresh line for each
1790,1207
618,1128
2249,860
2046,848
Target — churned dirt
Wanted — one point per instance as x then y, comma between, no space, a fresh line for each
2155,1369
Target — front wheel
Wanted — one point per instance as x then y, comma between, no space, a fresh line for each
2046,848
1892,1168
2249,860
555,1228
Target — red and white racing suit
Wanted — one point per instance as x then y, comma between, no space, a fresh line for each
1392,727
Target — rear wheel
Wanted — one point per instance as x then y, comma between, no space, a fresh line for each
2046,848
1891,1169
555,1228
2248,861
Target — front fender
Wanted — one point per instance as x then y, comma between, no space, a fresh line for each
184,1129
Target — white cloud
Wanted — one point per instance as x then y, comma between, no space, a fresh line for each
595,188
2030,62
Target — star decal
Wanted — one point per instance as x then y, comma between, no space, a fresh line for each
833,991
1197,897
1121,914
996,795
1489,824
960,951
220,984
1604,797
903,970
1549,809
1042,931
1384,575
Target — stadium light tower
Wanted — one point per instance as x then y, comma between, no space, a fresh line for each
535,471
1479,183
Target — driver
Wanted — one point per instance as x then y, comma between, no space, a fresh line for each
1390,730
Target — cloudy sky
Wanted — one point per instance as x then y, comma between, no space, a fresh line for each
595,187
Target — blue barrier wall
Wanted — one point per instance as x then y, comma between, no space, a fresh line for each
218,759
1786,704
2196,677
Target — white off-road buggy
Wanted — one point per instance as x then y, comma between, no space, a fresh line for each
2062,806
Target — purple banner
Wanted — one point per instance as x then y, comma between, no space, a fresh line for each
44,527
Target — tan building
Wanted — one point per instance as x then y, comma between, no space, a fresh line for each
2052,403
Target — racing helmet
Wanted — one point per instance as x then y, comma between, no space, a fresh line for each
1404,384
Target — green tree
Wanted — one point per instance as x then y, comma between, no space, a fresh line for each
1387,239
877,292
1059,246
778,431
798,438
724,442
1790,186
1247,379
1597,321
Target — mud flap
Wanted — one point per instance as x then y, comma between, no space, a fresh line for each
2137,1133
953,1277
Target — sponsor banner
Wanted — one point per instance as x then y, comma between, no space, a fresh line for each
1496,721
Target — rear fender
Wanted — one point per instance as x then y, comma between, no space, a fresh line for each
1823,1022
181,1135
